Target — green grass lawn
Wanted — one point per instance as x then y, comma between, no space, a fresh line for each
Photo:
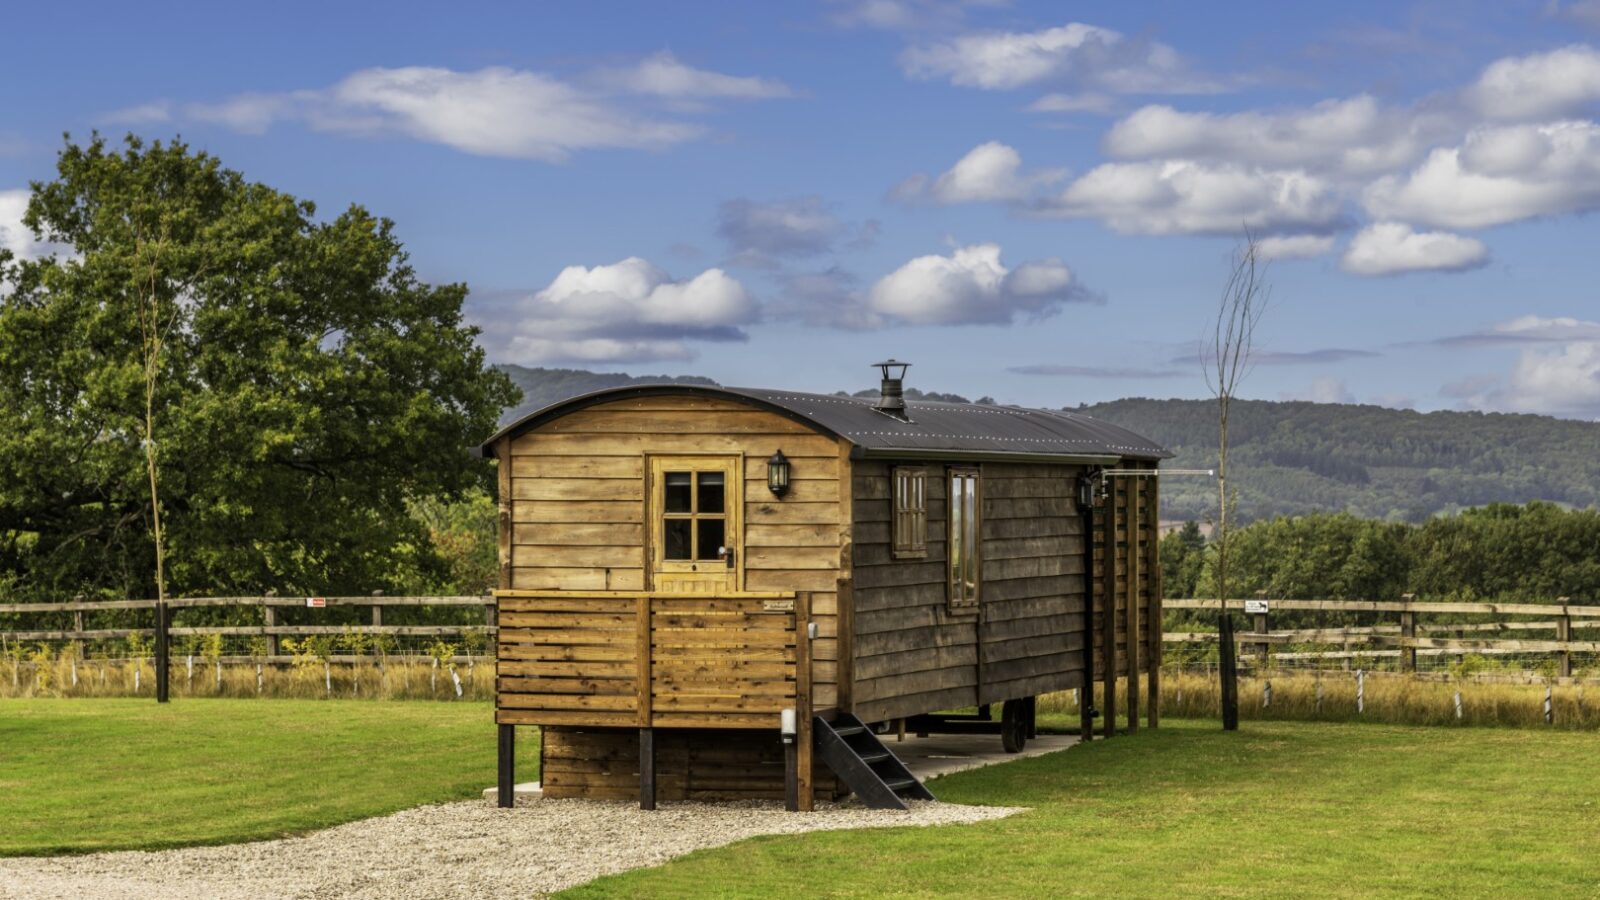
79,775
1278,809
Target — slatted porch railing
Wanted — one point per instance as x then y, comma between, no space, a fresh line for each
644,659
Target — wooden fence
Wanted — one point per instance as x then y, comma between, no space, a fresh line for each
1407,638
271,628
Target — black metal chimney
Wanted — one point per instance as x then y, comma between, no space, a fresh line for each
891,398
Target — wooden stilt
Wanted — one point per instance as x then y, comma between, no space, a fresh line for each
1108,619
507,786
647,768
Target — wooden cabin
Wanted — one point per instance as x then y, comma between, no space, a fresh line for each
729,592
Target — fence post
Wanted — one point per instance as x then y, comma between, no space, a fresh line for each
1263,649
163,650
377,610
1408,631
1564,634
270,618
1227,670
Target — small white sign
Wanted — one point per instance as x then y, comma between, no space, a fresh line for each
317,602
1255,606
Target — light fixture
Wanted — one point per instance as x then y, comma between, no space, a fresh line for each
778,474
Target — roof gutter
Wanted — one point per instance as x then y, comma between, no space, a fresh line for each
859,452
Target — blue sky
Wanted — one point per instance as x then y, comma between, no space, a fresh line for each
1031,201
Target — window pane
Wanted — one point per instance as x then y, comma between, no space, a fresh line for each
678,488
956,544
712,532
711,492
970,520
677,538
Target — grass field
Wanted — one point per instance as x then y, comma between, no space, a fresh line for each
1278,809
79,775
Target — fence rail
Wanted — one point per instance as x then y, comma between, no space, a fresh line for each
1406,640
270,604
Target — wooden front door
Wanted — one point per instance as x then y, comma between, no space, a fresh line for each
695,526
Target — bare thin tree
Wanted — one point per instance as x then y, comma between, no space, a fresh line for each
1225,357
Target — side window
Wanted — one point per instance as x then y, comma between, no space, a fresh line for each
910,500
964,504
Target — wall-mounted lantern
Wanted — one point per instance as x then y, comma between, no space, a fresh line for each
778,474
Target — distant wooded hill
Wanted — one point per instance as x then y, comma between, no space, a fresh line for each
1296,458
1370,461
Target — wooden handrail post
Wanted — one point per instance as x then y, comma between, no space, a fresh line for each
1408,630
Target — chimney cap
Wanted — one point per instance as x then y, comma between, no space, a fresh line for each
891,399
890,363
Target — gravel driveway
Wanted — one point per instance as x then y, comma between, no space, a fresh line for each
465,849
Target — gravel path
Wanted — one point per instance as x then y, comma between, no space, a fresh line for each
466,849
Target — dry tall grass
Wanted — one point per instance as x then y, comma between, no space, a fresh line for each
396,678
1395,699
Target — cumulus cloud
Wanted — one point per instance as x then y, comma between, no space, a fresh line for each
1185,197
1560,380
1392,248
972,286
1087,56
1088,102
663,75
1558,83
905,15
1524,330
799,227
1497,175
1298,246
626,311
1322,390
14,235
1354,136
989,173
498,111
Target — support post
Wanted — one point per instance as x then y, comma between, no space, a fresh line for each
1135,632
507,785
1108,622
1564,633
805,792
1408,630
1086,690
1227,670
163,622
647,768
377,610
1153,617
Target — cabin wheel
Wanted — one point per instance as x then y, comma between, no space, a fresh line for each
1014,725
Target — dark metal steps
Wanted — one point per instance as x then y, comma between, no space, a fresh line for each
865,765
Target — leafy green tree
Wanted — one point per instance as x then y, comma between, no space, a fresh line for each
309,389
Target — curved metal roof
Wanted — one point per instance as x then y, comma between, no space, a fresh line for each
934,430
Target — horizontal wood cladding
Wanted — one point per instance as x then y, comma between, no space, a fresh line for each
578,502
603,764
912,655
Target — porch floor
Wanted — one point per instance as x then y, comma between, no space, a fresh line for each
942,754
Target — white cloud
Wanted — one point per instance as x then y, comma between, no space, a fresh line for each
1558,83
627,311
499,111
15,236
141,114
1498,175
1562,381
989,173
1084,55
972,286
1089,102
799,227
906,15
1322,390
1354,136
1299,246
1185,197
1391,248
1529,329
662,75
